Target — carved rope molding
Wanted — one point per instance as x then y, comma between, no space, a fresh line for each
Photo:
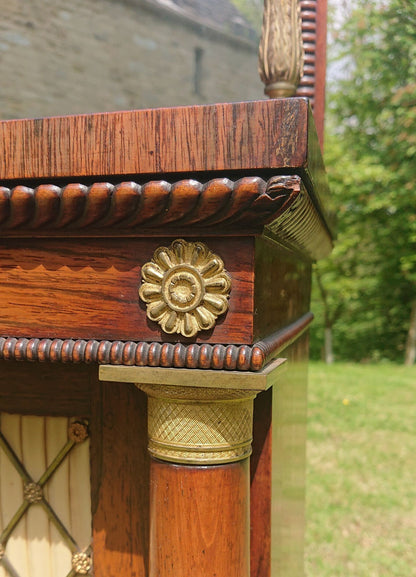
205,356
282,204
250,201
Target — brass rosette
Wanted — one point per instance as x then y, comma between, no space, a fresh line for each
185,288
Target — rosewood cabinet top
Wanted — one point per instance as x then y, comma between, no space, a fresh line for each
276,135
222,169
86,201
243,136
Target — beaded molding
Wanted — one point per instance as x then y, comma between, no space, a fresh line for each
205,356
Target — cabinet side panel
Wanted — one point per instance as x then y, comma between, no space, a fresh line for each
282,288
260,486
289,464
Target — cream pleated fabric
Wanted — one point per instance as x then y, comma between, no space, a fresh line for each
36,548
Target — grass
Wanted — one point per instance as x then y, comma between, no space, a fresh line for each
361,483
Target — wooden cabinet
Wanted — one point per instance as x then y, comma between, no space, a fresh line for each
173,248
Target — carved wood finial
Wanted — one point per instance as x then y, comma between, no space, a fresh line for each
281,48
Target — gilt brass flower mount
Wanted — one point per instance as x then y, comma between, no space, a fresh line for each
185,288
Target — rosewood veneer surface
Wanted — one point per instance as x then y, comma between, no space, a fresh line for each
84,203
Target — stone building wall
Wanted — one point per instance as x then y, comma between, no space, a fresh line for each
79,56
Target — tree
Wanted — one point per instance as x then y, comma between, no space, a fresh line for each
252,10
373,173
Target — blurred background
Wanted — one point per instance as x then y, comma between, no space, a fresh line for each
59,57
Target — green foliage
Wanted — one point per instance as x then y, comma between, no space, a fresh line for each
252,10
371,160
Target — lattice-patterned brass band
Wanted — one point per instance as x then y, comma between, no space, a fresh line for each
198,425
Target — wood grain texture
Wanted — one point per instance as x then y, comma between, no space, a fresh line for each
282,288
46,389
242,136
88,289
142,209
205,356
199,520
261,486
120,481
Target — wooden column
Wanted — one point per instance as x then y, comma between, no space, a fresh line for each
200,441
200,433
188,535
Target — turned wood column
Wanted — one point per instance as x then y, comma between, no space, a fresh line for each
200,521
199,440
200,430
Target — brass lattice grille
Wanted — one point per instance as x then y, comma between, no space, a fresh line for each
35,494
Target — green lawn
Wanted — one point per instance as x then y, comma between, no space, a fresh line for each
361,483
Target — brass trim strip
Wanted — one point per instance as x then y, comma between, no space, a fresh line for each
237,380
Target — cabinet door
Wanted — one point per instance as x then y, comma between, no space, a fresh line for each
73,473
